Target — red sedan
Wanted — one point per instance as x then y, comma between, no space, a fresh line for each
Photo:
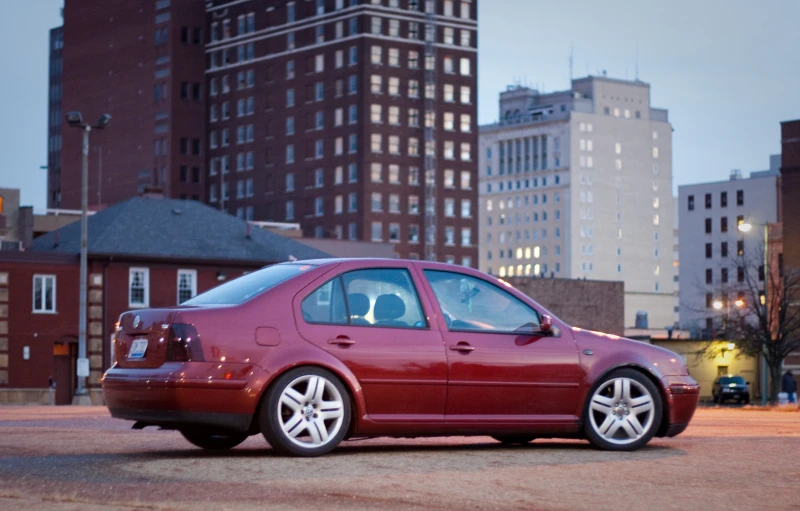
312,353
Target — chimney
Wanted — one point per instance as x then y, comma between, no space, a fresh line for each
153,192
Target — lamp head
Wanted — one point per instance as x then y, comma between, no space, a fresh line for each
103,121
717,304
744,227
74,119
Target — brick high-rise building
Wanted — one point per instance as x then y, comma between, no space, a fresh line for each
329,113
143,63
55,118
790,190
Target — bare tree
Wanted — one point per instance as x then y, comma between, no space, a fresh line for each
762,324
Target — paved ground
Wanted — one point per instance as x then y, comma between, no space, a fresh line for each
79,459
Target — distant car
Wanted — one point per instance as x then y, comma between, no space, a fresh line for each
311,353
730,387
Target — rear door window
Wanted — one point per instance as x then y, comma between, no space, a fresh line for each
380,297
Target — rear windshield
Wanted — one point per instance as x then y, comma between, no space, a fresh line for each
247,286
727,380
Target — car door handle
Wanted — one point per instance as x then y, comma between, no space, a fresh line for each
462,347
342,341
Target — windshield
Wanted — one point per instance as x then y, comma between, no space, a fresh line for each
247,286
727,380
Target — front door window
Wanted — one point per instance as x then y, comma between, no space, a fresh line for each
471,304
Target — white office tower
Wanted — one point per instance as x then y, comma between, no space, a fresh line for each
578,184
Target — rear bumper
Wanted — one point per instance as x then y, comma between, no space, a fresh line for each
176,419
683,395
197,393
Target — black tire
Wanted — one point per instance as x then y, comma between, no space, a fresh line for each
270,422
652,423
747,400
213,440
514,439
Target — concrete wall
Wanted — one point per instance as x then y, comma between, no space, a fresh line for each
589,304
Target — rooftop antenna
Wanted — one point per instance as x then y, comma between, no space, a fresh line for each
571,54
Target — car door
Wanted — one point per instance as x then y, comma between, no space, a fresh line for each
374,322
498,367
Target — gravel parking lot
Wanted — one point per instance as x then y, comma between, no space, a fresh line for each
79,458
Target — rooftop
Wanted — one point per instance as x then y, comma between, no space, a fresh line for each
174,229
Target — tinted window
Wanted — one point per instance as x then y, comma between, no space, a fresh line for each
326,304
383,297
248,286
727,380
473,304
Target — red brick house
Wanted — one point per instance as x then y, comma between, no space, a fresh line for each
144,252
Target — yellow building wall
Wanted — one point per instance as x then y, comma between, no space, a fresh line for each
705,368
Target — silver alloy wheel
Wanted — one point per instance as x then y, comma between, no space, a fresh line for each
310,411
621,411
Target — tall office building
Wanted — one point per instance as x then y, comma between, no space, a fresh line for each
578,184
356,119
714,254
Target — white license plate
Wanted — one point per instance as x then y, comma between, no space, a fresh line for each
138,348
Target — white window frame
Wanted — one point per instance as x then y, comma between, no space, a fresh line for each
146,280
193,283
39,308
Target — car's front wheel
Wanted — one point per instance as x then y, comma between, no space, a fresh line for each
213,440
623,411
306,412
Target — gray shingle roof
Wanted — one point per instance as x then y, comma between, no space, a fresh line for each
168,228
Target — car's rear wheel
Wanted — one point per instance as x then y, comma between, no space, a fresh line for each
623,411
213,440
306,412
514,439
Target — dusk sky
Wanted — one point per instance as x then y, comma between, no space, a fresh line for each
727,70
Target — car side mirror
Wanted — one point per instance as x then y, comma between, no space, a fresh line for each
546,325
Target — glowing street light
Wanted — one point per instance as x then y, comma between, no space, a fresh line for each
717,304
731,346
739,303
744,227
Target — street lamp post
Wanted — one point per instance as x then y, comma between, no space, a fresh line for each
75,120
746,227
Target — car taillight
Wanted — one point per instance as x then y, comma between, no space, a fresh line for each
184,344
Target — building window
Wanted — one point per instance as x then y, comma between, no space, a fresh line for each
708,251
691,203
187,285
139,287
723,224
723,199
708,201
44,293
708,226
377,231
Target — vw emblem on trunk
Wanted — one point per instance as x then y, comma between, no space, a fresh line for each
136,321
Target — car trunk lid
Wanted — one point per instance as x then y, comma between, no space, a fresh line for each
141,338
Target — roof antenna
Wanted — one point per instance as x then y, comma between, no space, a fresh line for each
571,54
